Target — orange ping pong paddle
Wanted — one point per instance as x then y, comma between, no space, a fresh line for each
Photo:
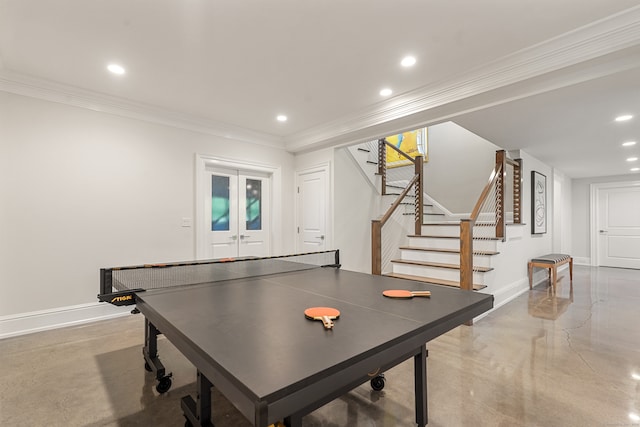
401,293
326,314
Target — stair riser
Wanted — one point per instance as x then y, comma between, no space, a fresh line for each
439,273
441,230
435,243
442,257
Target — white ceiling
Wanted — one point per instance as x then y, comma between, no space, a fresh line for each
546,76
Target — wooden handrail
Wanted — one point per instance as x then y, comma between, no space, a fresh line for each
397,202
376,229
496,180
402,153
485,192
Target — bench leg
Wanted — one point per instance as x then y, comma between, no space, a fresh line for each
530,275
571,269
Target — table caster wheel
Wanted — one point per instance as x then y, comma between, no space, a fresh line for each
164,384
377,383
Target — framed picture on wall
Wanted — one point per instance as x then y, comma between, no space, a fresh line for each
538,203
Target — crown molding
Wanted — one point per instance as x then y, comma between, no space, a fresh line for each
600,38
24,85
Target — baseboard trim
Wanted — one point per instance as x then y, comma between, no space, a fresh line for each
582,261
511,292
44,320
507,294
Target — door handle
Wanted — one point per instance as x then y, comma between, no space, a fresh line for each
242,236
320,237
603,231
234,237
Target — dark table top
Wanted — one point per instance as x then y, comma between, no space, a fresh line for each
254,330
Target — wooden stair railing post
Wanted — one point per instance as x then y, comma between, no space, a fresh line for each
376,247
419,189
382,164
466,257
517,193
501,165
466,254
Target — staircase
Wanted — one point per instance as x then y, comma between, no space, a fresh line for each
432,256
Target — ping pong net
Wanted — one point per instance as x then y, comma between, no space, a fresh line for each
119,285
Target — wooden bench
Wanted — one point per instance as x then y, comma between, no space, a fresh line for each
552,262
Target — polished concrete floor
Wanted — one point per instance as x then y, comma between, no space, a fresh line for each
572,359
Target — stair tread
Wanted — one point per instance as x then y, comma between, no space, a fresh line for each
438,265
424,213
430,236
453,251
457,222
432,280
411,204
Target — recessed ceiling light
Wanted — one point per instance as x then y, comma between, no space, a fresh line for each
635,170
624,118
634,416
634,375
632,159
281,118
115,69
628,143
386,92
408,61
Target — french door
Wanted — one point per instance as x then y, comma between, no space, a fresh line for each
237,213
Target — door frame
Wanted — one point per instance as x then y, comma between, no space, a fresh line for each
326,167
595,219
275,201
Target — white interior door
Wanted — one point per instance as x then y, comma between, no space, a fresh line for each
238,211
619,227
312,187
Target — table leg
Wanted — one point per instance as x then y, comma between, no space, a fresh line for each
150,350
420,373
293,421
198,412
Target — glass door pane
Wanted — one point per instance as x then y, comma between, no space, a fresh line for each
219,203
253,204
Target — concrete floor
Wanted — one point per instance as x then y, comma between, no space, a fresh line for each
540,360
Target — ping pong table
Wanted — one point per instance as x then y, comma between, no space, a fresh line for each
241,324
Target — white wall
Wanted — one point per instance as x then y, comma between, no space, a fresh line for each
81,190
460,163
356,203
562,213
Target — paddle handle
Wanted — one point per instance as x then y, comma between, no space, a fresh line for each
328,323
421,293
